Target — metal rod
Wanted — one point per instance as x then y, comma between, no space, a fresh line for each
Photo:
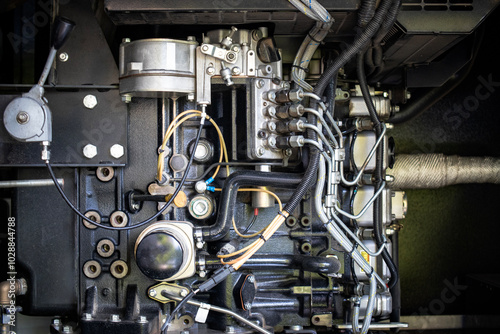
29,183
376,325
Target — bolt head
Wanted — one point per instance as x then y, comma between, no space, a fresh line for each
260,151
191,38
89,151
67,329
117,151
248,306
23,117
152,293
210,70
87,316
202,273
90,101
272,142
127,98
63,57
288,152
183,293
236,70
199,245
115,318
251,279
126,40
204,48
142,319
56,322
271,126
260,83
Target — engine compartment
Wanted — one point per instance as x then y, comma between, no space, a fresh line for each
230,165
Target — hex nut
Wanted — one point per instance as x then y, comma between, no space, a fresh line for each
296,95
89,151
90,101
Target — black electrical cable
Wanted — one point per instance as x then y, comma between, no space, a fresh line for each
179,306
366,12
254,218
81,215
377,204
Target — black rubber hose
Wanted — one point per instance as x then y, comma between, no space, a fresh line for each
396,290
377,204
366,12
422,103
315,264
228,197
358,45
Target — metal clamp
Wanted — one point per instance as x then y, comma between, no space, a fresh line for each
219,53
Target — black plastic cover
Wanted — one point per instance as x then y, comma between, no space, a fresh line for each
159,256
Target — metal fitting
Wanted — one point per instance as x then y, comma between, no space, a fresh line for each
90,101
296,141
89,151
225,73
115,318
236,70
117,151
63,57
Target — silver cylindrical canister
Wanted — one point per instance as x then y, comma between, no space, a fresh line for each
157,68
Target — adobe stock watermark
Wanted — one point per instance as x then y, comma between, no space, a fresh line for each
448,295
32,25
454,117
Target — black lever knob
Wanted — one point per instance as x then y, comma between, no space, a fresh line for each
61,30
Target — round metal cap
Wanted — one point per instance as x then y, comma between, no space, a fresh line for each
159,255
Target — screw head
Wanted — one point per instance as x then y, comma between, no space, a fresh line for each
117,151
248,306
210,70
152,293
22,117
142,319
260,83
272,141
204,48
63,57
271,126
183,293
87,316
115,318
236,70
202,273
89,151
90,101
288,152
251,278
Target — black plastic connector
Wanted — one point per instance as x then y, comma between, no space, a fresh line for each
219,275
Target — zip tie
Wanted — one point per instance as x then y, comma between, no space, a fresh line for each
282,214
301,68
262,237
314,39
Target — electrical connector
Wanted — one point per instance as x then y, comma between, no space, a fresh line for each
219,275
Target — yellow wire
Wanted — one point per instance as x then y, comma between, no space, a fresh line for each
176,122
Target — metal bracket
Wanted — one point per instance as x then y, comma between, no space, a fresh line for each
219,53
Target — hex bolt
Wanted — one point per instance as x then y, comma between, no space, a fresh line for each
142,319
56,322
191,38
272,142
126,40
152,293
271,126
248,306
90,101
87,316
202,273
22,117
126,98
389,178
210,70
89,151
251,278
183,293
190,97
230,329
204,48
63,57
235,48
67,329
236,70
260,151
115,318
117,151
288,152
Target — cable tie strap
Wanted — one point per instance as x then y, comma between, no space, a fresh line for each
370,274
282,214
314,39
161,151
262,237
354,247
301,68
